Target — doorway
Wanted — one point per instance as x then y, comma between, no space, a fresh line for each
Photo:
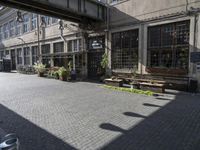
13,60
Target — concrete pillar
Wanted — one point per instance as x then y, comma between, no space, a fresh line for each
144,49
51,52
140,49
31,58
74,62
16,57
22,54
194,47
108,51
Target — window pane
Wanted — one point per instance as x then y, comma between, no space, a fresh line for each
58,47
125,50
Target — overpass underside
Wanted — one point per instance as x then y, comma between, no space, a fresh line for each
79,11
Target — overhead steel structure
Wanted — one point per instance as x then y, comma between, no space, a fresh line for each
79,11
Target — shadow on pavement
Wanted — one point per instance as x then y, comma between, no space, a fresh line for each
131,114
175,126
31,136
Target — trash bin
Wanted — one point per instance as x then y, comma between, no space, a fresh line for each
9,142
73,75
193,86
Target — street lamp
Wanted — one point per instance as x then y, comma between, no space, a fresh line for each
19,17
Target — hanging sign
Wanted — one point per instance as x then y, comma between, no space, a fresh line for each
195,57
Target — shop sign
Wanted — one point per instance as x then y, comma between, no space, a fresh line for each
195,57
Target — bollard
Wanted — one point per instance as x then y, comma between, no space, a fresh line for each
9,142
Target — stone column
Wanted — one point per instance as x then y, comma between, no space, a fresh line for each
108,51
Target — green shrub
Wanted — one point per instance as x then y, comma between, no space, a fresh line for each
63,73
39,67
136,91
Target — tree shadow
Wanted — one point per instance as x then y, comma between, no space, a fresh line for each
111,127
175,126
151,105
131,114
31,136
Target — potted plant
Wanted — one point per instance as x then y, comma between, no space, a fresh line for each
40,69
63,74
55,75
104,65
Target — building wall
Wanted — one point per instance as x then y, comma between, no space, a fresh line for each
130,14
122,16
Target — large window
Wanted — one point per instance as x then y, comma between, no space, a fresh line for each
6,30
74,45
125,50
58,47
168,45
12,28
18,28
35,54
47,20
54,20
45,49
33,21
19,56
1,33
27,56
26,23
1,54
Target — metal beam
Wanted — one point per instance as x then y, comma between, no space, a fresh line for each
51,9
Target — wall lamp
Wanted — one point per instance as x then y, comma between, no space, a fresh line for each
19,17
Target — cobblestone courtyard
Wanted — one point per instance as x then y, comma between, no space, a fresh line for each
52,115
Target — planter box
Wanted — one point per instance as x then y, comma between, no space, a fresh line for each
159,88
115,82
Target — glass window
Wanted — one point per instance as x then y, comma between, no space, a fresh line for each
125,50
6,30
35,54
17,28
47,20
1,54
12,28
33,21
1,33
26,23
45,49
26,55
58,47
19,56
54,20
74,45
168,45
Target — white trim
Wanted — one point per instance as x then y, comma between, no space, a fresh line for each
127,28
169,21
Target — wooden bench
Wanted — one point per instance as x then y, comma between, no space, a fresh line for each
160,88
114,82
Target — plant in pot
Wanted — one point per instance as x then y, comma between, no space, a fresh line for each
63,74
104,65
40,69
55,74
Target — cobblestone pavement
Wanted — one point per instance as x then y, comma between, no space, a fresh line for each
52,115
